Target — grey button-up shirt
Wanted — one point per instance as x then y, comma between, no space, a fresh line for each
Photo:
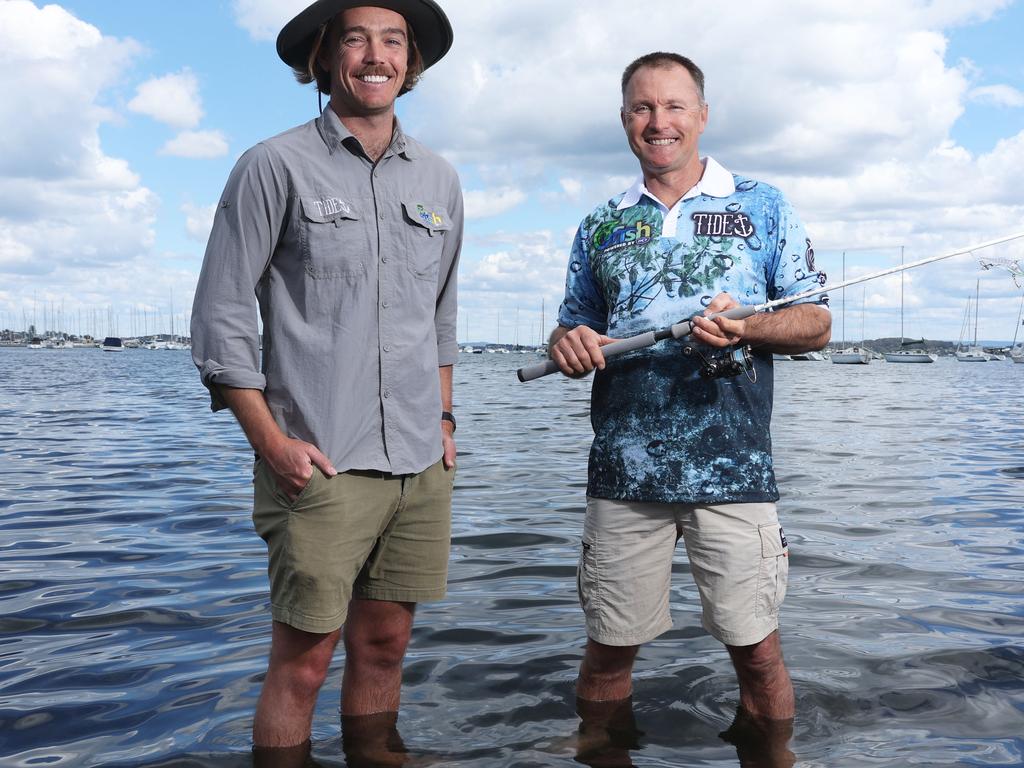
351,266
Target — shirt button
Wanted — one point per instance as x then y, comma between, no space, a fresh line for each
387,347
383,259
382,217
385,304
387,393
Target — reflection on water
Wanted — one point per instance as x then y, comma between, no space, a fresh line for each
134,610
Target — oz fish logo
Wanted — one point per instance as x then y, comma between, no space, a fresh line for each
608,236
428,217
722,225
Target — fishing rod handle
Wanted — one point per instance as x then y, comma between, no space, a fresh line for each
531,372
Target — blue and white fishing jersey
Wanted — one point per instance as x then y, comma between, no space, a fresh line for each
661,432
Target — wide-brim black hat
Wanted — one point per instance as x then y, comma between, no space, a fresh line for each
429,24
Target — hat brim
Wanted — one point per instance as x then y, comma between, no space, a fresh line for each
429,24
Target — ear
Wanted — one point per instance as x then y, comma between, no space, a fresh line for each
622,117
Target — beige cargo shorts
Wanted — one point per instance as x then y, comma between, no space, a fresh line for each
738,556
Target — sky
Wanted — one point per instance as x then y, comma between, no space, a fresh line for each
896,129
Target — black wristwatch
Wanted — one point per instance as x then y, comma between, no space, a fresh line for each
447,416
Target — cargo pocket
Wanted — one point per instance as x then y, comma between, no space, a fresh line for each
588,584
426,226
773,572
331,238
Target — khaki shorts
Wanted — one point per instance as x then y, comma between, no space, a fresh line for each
738,556
365,534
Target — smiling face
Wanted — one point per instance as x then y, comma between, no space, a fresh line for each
664,115
367,54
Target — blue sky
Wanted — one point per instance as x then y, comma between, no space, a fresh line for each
887,124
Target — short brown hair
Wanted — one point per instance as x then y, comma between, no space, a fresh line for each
663,60
314,72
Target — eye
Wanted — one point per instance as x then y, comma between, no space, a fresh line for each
353,40
395,41
640,109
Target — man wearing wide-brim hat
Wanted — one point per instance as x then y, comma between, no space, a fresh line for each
342,235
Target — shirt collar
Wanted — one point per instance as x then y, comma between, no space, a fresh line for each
716,181
334,133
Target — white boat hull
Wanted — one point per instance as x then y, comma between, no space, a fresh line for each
909,357
851,356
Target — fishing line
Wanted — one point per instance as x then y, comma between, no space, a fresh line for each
679,330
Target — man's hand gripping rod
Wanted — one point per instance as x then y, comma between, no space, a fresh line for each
639,341
679,330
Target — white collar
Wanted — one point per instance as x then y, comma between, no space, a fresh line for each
716,181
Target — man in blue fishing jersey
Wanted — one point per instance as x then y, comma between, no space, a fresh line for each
679,452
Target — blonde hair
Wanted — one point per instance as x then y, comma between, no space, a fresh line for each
314,72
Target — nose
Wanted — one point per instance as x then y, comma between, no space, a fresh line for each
658,119
373,53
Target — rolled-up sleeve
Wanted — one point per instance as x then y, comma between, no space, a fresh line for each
446,312
225,313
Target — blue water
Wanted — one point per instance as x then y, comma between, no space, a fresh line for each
133,598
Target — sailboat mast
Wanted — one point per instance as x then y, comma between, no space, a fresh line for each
1020,314
844,302
901,296
977,288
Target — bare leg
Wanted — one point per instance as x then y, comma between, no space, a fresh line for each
761,743
372,741
298,666
606,673
607,733
283,757
376,636
765,688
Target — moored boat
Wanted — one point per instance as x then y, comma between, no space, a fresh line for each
112,344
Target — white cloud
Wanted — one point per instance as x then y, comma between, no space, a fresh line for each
199,220
998,95
196,144
263,19
571,187
490,202
65,204
171,99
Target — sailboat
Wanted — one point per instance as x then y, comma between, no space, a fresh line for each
907,355
973,353
851,355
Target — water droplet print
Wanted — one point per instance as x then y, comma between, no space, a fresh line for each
733,207
656,448
575,266
705,300
746,185
754,243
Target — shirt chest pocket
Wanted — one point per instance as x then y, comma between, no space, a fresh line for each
333,238
426,225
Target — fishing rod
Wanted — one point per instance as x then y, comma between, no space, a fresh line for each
679,330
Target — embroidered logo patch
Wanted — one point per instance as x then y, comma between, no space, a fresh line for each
715,224
331,205
429,218
608,236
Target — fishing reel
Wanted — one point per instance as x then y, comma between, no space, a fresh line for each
729,363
